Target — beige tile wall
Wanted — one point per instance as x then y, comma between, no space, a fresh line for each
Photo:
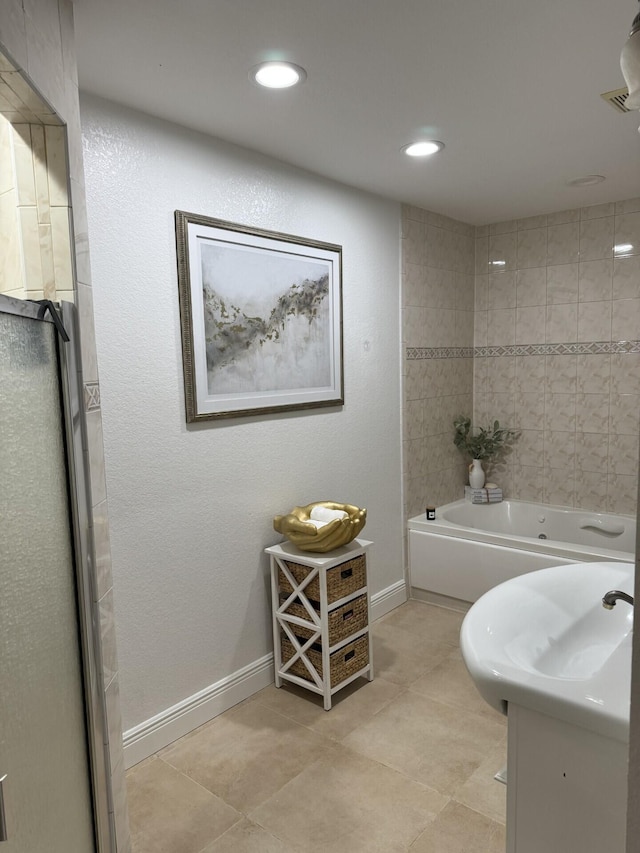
11,276
34,201
557,352
38,38
35,211
554,352
437,337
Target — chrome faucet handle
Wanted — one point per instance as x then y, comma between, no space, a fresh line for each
609,599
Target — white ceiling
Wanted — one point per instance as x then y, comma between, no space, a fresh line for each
511,87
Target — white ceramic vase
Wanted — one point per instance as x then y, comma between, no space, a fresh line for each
476,474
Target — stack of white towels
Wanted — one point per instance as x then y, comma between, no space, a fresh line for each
491,494
320,515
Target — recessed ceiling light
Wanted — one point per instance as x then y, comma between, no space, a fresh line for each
586,181
277,75
623,249
423,149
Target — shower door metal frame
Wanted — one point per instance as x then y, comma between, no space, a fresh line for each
83,546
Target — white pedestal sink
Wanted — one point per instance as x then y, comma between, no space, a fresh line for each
543,650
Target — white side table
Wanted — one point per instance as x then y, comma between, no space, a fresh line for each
321,617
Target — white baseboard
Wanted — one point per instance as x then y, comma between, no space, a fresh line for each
147,738
388,599
157,732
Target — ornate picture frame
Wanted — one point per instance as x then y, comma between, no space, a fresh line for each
261,319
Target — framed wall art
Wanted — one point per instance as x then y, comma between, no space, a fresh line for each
261,318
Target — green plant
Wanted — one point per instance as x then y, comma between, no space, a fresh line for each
482,443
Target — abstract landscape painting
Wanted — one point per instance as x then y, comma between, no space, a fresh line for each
261,319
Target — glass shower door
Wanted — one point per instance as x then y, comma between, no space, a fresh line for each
46,790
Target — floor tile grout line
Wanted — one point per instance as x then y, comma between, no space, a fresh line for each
452,800
493,745
297,723
437,663
453,645
293,849
407,689
425,828
477,810
338,740
254,823
456,706
240,811
368,759
440,609
403,689
204,788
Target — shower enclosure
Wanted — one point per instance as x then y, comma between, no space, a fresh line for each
54,796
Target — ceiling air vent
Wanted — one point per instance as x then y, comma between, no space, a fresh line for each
617,99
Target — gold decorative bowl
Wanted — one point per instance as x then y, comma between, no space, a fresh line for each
300,529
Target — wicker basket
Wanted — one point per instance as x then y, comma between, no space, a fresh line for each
342,579
344,662
343,621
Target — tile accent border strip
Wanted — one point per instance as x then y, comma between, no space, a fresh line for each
439,352
587,348
91,396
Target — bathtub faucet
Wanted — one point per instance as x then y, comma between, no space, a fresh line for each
610,598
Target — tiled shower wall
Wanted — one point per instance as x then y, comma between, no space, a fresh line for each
557,353
38,39
34,210
554,352
437,336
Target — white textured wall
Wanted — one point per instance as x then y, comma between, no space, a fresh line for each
191,507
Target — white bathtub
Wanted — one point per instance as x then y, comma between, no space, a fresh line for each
470,548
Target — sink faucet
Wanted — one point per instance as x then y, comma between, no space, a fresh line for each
610,598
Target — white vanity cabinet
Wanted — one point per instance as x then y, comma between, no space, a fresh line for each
321,617
542,648
566,787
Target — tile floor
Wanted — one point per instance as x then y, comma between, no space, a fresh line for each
404,763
